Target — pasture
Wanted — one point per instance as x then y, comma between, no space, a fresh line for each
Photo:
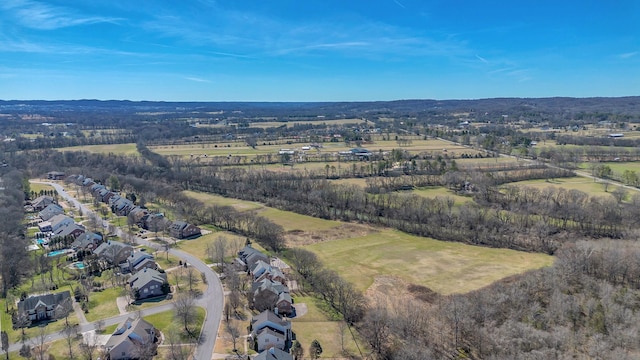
212,199
439,191
444,267
332,335
573,183
118,149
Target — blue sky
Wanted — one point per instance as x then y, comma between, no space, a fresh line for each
317,50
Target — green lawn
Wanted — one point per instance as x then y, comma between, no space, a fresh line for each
38,187
439,191
120,149
445,267
212,199
165,321
577,182
103,304
198,247
293,221
332,335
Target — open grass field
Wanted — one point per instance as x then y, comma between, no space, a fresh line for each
212,199
103,304
445,267
439,191
291,221
165,321
198,247
617,167
333,335
577,182
120,149
38,187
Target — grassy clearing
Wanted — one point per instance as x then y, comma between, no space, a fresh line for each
573,183
39,187
119,149
445,267
198,247
165,321
332,335
103,304
616,166
439,191
293,221
212,199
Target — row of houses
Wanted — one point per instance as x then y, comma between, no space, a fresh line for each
269,289
121,206
270,332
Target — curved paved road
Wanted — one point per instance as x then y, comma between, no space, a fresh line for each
212,300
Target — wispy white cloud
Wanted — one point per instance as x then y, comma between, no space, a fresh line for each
42,16
196,79
628,55
399,4
482,59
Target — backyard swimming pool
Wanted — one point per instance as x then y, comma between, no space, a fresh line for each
41,241
58,252
78,265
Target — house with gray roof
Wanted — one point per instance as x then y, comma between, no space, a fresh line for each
50,211
183,230
72,230
273,354
248,257
130,335
45,307
149,283
269,330
87,240
55,223
41,202
138,260
113,252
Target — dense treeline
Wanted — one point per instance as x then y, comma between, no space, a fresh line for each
14,259
596,141
575,309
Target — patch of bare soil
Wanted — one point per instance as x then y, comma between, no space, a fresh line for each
295,238
391,288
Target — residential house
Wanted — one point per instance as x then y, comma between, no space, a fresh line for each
137,214
50,211
122,206
41,202
154,222
273,354
114,252
269,330
138,260
183,230
149,283
263,270
70,231
55,175
55,223
271,295
130,336
88,240
248,257
107,197
45,307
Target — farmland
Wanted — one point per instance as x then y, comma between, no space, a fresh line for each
444,267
